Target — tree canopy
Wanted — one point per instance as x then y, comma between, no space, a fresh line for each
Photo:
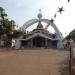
7,26
2,13
71,35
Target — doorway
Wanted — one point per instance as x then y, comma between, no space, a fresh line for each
39,42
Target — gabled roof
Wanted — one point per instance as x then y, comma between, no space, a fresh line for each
39,34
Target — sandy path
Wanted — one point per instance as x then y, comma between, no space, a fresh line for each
31,62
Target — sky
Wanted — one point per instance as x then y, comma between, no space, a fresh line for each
23,10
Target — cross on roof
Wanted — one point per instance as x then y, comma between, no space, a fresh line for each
40,10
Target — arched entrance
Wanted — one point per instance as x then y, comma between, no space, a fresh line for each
42,41
47,21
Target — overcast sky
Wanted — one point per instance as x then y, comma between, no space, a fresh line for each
24,10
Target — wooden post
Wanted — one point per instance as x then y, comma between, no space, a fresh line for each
70,62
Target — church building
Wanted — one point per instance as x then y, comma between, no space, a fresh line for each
39,37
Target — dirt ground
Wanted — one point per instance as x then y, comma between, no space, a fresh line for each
32,62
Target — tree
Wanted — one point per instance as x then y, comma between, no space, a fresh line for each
7,26
14,34
3,21
71,35
2,13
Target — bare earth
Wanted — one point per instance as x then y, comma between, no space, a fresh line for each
32,62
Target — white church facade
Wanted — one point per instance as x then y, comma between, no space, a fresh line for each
40,37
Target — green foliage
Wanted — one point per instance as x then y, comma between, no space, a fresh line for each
71,35
2,13
1,9
14,34
8,26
